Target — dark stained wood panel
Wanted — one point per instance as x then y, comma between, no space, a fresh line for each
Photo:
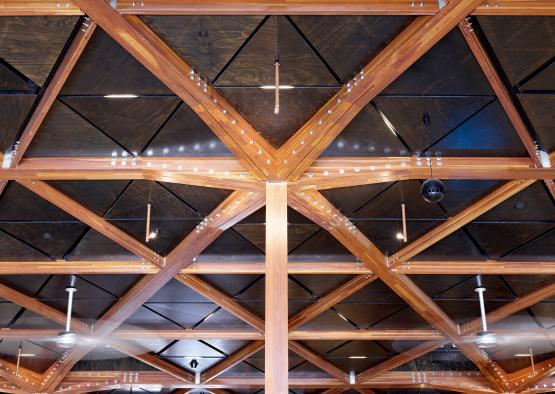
367,135
13,112
543,81
175,290
201,199
96,196
121,75
540,249
297,234
12,249
456,246
131,122
32,44
65,133
463,193
321,246
254,65
488,133
449,68
446,113
9,80
350,199
539,109
95,246
186,314
521,44
347,43
231,246
207,43
296,107
186,135
145,318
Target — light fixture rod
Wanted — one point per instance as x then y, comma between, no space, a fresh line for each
18,360
70,290
480,291
532,361
276,88
404,217
147,237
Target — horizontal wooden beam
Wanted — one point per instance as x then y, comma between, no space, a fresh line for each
344,172
465,380
488,267
274,7
225,173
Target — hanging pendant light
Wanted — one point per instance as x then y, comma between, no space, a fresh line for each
276,70
432,189
67,339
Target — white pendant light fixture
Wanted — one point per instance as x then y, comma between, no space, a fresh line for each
485,338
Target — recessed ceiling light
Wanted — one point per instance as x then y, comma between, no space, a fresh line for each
281,87
122,96
357,357
400,236
522,355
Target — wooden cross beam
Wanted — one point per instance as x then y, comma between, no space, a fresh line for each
50,93
314,205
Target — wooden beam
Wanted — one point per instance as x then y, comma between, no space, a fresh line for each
459,220
364,335
50,93
312,139
503,95
527,377
467,381
231,361
276,298
488,267
326,302
39,308
319,361
328,173
276,7
494,316
25,379
221,299
93,220
152,360
142,43
223,173
232,210
314,205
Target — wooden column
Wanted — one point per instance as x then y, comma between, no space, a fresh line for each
276,289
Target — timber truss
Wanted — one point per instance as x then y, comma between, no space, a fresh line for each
291,175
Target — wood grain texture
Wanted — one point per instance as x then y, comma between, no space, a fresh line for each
276,297
232,360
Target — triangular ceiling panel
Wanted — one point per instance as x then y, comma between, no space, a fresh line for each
10,80
12,249
131,122
349,199
446,114
296,107
65,133
93,75
42,38
13,111
541,249
544,80
485,134
95,246
449,68
207,43
367,134
522,45
185,134
202,200
348,43
231,246
539,109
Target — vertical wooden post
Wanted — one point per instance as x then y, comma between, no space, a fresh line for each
276,350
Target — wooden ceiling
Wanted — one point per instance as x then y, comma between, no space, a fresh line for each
276,266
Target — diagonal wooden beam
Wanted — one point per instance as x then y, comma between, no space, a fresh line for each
221,299
27,380
527,377
142,43
40,308
326,302
319,361
494,316
233,209
50,93
403,51
231,361
150,359
93,220
459,220
503,95
315,205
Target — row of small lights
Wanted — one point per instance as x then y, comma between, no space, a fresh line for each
133,378
343,220
422,378
208,219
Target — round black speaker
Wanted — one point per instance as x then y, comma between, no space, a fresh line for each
433,190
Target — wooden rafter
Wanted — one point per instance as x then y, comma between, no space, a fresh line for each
492,317
527,377
319,361
50,93
503,95
232,360
405,49
315,205
232,210
162,61
276,7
